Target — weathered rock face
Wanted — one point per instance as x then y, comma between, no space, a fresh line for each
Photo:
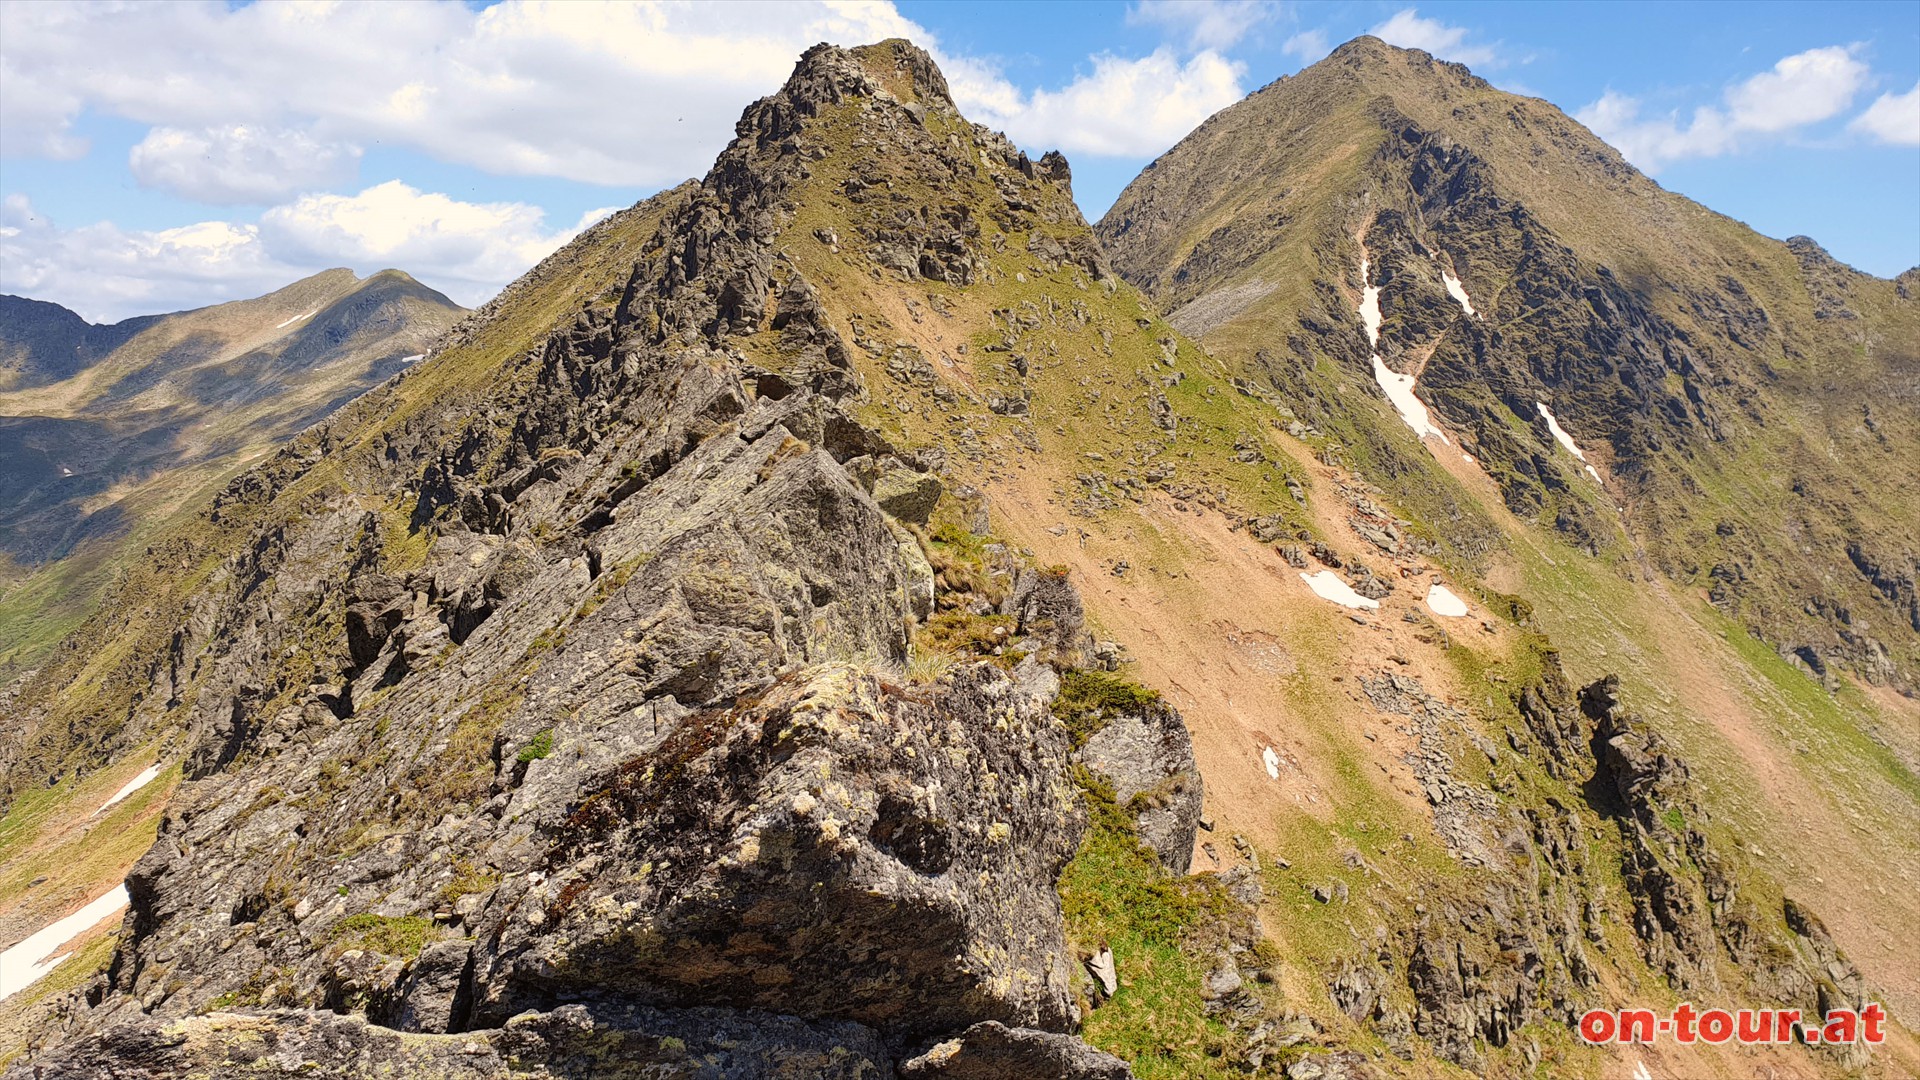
841,847
1047,608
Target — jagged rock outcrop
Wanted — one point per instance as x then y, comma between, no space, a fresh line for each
567,699
840,848
1526,941
571,1043
1688,893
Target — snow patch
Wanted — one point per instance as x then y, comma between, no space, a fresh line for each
1640,1071
1468,458
1442,601
1327,586
1397,387
1272,761
23,965
1399,390
1560,436
1458,292
414,359
146,776
297,318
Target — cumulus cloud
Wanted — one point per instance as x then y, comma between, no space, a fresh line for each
1307,45
1409,31
636,95
1205,24
1801,89
239,163
1122,108
467,250
1892,118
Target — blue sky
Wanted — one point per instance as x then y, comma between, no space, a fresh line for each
164,156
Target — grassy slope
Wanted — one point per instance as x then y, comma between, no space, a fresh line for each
1819,781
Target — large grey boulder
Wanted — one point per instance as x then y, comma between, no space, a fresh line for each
838,847
1149,760
1047,609
907,495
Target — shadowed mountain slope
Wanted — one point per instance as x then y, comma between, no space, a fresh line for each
107,431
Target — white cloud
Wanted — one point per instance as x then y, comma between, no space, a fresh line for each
1801,89
1409,31
1205,24
638,94
261,103
1892,118
107,273
467,250
1122,108
1308,45
239,163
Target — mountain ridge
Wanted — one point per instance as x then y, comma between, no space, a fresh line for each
831,572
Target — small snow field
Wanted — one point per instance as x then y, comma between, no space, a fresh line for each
1328,586
1272,761
1560,436
1458,292
146,776
1399,390
414,359
1397,387
297,318
1442,601
23,964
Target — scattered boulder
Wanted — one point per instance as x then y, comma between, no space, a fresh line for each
1047,609
991,1051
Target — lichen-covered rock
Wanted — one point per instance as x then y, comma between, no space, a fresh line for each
992,1051
1149,760
907,495
838,847
1047,609
601,1041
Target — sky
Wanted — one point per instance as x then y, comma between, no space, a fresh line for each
156,157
